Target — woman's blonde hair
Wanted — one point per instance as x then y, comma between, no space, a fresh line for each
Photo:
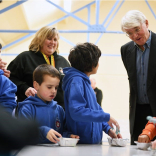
41,35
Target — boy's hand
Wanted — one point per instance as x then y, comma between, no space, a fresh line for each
143,139
119,136
74,136
112,133
52,136
30,92
113,121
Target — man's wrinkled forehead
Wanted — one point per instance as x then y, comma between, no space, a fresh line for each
131,29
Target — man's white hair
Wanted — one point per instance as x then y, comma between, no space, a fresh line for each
132,19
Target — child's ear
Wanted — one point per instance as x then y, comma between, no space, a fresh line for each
36,85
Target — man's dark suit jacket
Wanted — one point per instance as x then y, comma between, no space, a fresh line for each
128,54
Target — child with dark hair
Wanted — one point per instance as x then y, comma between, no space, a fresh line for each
84,116
43,108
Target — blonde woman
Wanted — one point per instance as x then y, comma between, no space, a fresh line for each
43,49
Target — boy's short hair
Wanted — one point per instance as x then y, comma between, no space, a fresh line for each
84,56
0,46
45,69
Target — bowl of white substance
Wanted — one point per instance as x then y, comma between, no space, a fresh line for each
68,141
117,142
143,146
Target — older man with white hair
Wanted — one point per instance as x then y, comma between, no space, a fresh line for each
139,58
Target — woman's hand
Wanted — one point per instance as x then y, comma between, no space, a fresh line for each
52,136
30,92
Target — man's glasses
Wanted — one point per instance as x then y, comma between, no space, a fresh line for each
136,31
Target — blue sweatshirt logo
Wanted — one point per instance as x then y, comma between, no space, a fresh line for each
57,123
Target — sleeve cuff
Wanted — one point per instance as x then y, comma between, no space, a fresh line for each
148,133
107,117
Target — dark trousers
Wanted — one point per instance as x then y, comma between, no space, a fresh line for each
142,111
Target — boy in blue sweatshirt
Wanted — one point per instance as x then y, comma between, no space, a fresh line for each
7,88
43,108
84,116
7,93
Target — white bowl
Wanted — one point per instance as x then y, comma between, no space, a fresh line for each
68,141
117,142
142,146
